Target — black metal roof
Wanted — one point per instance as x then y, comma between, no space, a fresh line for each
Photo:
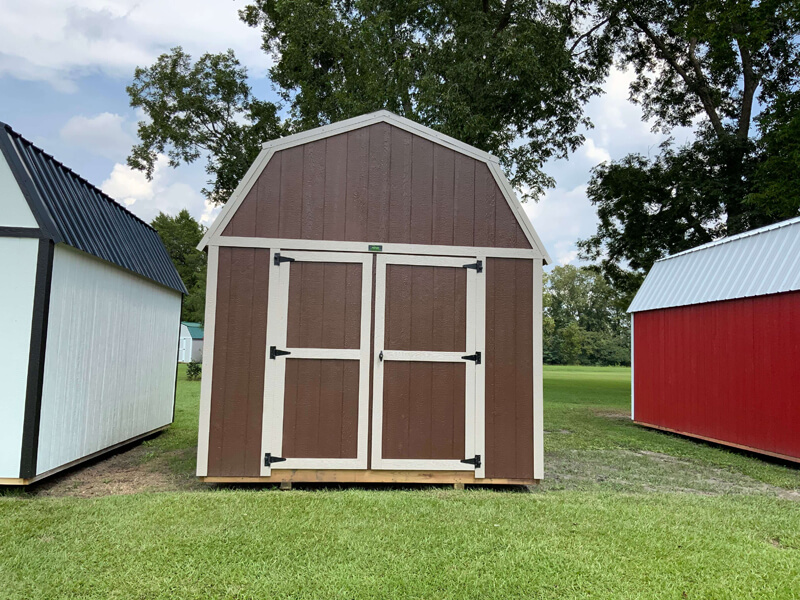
71,210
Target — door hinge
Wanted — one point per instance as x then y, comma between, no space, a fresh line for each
274,352
269,459
473,461
474,357
478,266
281,259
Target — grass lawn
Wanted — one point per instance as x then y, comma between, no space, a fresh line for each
624,513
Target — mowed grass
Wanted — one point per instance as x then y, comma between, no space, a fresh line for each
628,533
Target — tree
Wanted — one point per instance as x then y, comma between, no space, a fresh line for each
181,234
510,77
200,109
706,63
584,319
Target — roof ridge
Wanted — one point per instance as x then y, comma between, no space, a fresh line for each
77,176
733,238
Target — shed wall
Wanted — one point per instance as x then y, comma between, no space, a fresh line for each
725,370
18,259
378,184
110,358
240,348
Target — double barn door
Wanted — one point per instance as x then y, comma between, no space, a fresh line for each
425,362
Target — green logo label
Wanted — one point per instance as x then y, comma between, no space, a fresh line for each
375,248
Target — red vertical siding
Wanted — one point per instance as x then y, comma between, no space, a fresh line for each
728,371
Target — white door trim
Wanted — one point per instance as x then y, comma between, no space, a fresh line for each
474,418
275,370
204,425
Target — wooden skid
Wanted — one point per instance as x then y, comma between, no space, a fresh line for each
795,459
369,476
64,467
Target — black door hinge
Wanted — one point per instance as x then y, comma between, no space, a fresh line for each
269,459
281,259
473,461
475,357
274,352
478,266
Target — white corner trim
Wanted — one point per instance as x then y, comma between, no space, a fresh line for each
382,116
204,426
538,373
516,207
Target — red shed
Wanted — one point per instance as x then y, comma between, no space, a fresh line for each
373,314
716,342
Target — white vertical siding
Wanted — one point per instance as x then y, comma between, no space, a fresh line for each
197,350
15,211
17,282
110,358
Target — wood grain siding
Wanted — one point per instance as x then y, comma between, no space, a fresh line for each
320,414
423,410
324,305
509,368
239,352
378,184
426,308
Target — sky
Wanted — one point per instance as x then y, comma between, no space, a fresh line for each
64,67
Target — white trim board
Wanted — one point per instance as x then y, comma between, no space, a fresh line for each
275,369
230,241
204,426
382,116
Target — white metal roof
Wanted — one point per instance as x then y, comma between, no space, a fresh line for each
756,263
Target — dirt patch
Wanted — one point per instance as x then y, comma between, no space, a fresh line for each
129,471
613,414
645,471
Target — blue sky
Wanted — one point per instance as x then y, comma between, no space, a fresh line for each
64,68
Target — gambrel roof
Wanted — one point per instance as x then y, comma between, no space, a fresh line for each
68,209
510,209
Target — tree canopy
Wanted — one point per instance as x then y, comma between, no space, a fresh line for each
181,234
711,64
584,319
509,77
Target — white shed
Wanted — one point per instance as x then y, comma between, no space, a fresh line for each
191,344
90,305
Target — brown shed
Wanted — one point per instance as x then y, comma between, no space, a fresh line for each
373,314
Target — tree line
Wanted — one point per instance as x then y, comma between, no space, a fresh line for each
513,78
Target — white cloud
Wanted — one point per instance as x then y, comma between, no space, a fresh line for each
59,42
165,192
595,153
561,218
106,134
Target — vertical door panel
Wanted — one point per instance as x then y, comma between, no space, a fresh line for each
425,410
317,384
